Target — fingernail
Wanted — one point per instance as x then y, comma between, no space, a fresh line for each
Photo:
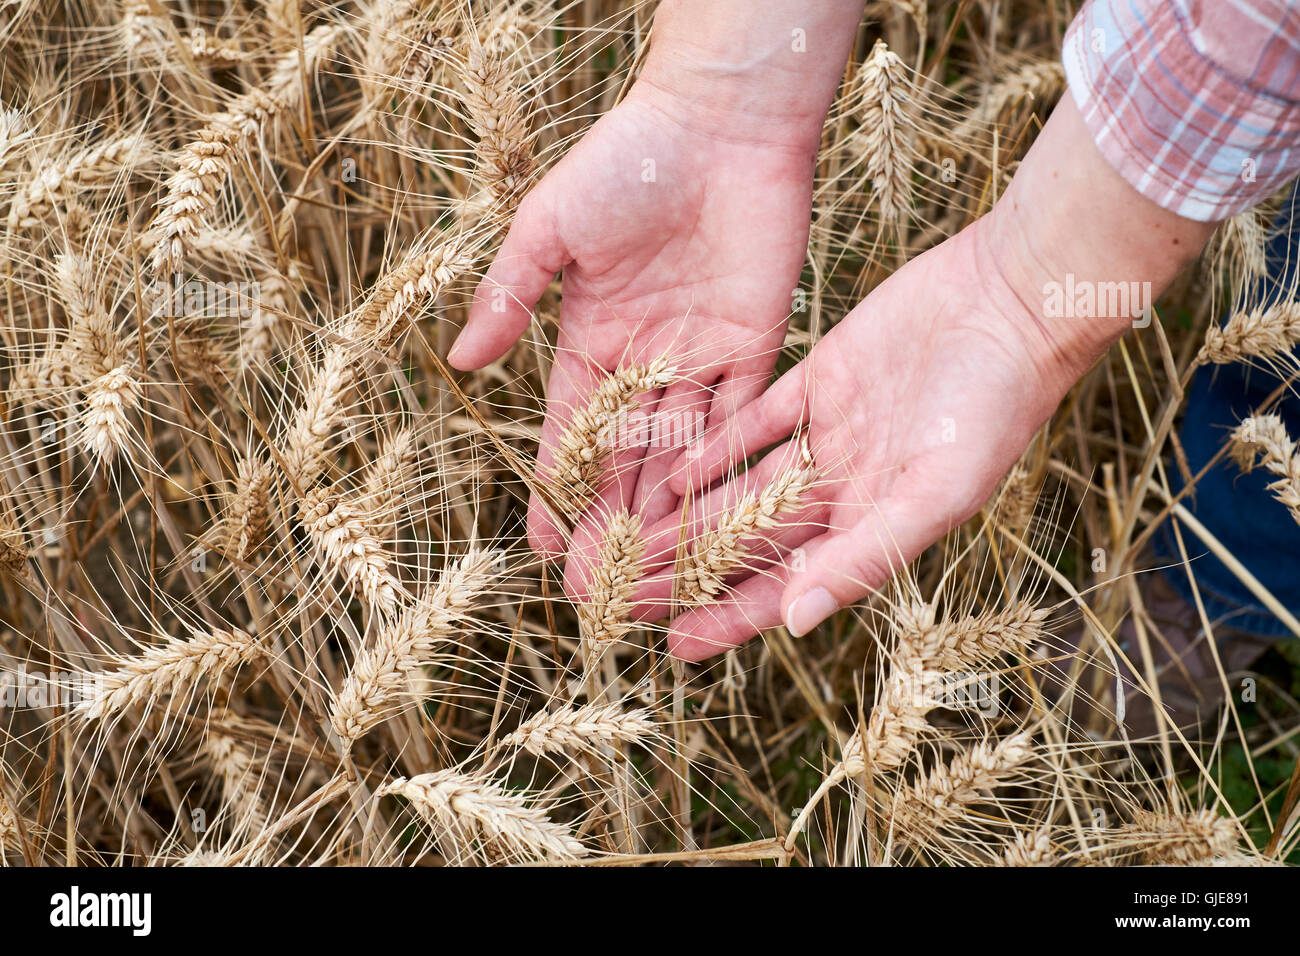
455,349
808,610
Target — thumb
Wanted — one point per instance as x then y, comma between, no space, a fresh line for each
503,302
840,568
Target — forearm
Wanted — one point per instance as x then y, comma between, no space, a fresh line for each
1070,227
755,69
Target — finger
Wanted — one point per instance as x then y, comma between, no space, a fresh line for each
754,606
655,597
676,535
764,421
737,390
842,567
503,303
678,420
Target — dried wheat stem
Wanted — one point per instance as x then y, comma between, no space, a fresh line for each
583,447
1264,440
581,729
204,165
1031,848
58,183
1198,838
166,669
1261,333
473,819
347,546
105,425
603,616
886,136
378,678
939,797
721,549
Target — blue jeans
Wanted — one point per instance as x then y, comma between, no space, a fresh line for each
1236,508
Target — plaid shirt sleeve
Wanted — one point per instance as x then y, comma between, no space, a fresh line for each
1195,102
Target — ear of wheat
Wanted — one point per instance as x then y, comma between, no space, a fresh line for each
60,183
939,797
581,729
240,774
378,678
1265,333
473,819
347,547
166,670
205,164
956,645
885,139
1263,440
1198,838
721,549
583,447
105,424
1031,848
243,528
603,615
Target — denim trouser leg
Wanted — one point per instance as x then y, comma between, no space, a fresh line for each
1237,509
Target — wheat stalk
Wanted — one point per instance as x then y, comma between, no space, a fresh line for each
582,448
473,818
603,615
105,425
387,481
581,729
1263,439
885,139
1030,848
939,798
243,527
348,547
235,764
14,552
205,164
721,549
1198,838
1262,333
319,418
166,669
379,674
972,641
61,182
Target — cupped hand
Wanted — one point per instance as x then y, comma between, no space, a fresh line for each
913,408
675,239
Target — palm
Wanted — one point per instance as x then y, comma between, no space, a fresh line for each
672,244
912,418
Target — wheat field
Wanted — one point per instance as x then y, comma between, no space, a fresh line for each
268,597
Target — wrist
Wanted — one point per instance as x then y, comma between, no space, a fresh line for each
1082,250
758,71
